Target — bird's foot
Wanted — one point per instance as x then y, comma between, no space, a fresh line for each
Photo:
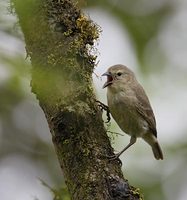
102,106
114,157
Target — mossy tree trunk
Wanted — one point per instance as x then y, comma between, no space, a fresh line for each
58,39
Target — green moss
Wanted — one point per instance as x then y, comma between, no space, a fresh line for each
64,17
86,151
136,192
66,142
51,59
89,30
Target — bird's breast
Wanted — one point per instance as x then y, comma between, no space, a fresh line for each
122,108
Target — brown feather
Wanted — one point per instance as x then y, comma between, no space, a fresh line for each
143,107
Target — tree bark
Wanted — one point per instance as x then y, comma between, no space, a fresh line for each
59,38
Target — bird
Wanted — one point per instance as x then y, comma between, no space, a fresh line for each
130,108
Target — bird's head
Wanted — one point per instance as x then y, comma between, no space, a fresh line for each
117,75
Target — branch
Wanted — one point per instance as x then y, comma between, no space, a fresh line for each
58,39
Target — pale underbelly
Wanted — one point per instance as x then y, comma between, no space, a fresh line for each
129,121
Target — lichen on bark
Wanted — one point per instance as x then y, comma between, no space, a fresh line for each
58,39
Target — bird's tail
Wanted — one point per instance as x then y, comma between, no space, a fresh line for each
157,151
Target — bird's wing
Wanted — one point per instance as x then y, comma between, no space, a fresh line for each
143,107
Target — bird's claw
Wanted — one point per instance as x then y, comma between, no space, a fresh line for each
106,108
114,157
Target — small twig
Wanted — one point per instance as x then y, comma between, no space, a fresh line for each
115,133
106,108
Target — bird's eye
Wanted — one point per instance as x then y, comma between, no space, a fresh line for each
119,73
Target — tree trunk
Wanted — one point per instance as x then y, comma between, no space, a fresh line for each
58,40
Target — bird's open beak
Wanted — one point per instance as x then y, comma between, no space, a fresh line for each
109,79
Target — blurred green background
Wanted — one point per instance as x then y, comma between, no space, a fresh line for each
148,36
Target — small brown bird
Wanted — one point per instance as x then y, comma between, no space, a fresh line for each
130,108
